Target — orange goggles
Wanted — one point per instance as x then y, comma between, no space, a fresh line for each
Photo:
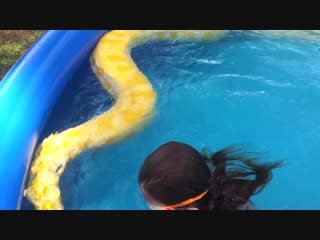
186,202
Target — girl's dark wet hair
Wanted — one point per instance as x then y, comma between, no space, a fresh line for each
176,172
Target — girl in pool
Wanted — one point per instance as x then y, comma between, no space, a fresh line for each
177,177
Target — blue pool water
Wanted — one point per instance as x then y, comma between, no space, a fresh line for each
243,89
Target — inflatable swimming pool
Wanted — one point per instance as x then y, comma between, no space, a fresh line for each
279,84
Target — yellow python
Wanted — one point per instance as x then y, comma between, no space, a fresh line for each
133,108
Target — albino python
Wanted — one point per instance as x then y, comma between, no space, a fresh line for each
133,108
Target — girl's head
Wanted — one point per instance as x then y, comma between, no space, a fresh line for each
177,176
172,174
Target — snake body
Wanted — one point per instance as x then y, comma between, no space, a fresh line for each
134,106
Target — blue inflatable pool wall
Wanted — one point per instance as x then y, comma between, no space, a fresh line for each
27,94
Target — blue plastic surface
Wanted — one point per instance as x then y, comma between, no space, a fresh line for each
27,94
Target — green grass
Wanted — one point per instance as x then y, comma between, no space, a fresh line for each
13,44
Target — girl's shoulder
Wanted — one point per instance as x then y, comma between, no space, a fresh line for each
247,206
